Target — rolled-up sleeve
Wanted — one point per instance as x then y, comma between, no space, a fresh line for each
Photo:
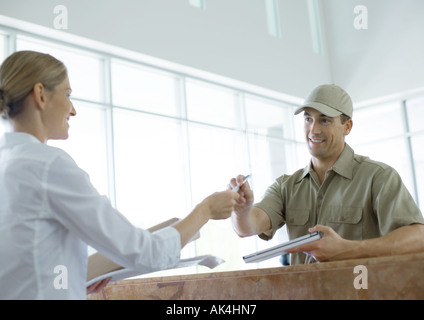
272,204
393,204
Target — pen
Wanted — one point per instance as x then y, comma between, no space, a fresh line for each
237,187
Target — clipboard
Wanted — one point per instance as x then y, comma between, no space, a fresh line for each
281,248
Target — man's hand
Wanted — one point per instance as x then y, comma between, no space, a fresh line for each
247,220
403,240
246,199
330,247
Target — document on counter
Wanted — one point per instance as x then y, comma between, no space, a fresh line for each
209,261
100,267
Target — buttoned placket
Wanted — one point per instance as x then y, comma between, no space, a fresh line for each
320,194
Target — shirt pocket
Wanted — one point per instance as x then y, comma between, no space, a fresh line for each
346,221
297,222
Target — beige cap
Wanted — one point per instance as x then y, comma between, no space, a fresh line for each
329,99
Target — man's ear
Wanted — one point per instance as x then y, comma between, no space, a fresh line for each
348,126
39,92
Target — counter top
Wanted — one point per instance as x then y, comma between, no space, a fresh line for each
390,277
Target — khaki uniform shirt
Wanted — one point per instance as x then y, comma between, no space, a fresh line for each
359,198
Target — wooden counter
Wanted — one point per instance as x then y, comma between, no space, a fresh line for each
392,277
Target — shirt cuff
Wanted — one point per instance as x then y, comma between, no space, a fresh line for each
172,242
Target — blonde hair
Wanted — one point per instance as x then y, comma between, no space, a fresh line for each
20,72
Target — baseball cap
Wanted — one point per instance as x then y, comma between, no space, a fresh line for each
330,100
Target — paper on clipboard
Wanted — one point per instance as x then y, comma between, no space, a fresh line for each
209,261
99,267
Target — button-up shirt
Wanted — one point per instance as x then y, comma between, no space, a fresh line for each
359,198
50,212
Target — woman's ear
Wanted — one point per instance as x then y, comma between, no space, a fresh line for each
39,92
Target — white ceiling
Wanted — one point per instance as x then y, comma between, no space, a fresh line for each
386,58
230,38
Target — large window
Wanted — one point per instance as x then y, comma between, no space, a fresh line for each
145,89
391,132
417,149
84,68
150,167
415,116
213,105
3,53
157,141
3,47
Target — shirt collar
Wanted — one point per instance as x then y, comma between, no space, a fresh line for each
306,171
18,138
343,165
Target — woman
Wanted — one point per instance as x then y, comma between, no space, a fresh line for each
49,210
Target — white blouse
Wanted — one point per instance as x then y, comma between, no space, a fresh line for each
50,212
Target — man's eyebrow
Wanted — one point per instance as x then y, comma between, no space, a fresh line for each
321,115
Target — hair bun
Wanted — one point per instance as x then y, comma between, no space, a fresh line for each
4,108
1,95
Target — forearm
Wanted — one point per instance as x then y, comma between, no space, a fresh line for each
190,226
217,206
242,225
404,240
252,221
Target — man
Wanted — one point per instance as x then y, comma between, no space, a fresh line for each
360,206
